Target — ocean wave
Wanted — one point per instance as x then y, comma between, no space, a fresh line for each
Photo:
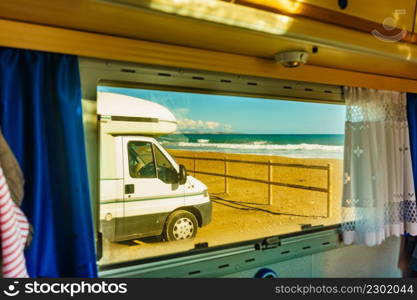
259,146
203,141
260,142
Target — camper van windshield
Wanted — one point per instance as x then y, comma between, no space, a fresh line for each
165,170
248,168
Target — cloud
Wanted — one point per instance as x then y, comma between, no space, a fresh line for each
212,125
199,125
181,112
227,127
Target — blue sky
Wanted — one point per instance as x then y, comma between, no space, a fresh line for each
218,113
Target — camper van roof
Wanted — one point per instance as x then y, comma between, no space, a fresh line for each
111,104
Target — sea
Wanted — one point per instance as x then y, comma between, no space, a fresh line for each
289,145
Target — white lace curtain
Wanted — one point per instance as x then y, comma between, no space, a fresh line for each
378,191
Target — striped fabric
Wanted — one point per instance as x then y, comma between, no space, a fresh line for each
14,229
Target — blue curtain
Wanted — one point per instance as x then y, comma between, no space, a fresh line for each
41,118
412,124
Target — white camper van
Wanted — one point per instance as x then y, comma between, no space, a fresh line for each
143,191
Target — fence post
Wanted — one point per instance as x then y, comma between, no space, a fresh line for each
270,175
226,187
194,164
329,190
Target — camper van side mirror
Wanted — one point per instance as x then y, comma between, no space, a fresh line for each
182,175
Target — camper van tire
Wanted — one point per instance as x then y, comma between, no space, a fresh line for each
180,225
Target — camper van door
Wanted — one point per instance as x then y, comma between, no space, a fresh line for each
152,190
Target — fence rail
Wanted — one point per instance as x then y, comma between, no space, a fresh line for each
270,182
255,162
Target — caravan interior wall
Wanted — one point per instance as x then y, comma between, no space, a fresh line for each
217,55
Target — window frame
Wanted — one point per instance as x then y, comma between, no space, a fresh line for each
137,76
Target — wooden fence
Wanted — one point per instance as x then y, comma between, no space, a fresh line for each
270,182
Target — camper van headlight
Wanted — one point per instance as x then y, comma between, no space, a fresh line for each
205,193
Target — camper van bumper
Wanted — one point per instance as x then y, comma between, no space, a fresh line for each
205,210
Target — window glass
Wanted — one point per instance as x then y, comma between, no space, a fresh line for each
166,171
141,161
256,168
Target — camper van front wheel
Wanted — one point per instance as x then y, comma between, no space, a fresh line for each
180,225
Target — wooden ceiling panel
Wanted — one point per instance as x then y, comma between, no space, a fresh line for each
402,11
143,24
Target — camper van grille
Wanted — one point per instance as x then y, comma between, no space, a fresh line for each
94,72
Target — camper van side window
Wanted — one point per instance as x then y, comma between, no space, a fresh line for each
141,160
166,171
